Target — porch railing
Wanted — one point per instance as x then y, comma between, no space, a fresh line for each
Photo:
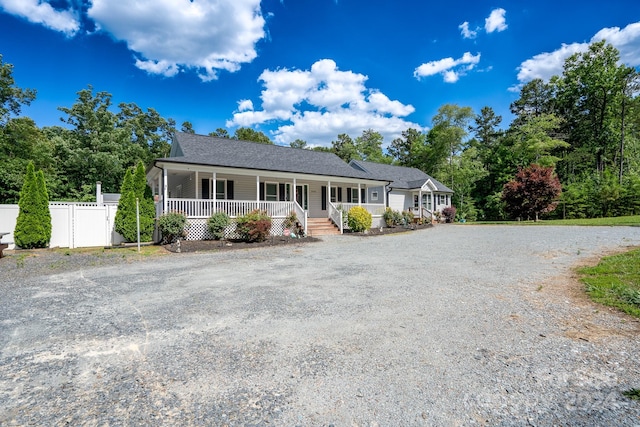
374,209
335,215
204,208
301,214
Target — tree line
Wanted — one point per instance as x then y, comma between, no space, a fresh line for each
583,124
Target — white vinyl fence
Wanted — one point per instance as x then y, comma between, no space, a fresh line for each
73,225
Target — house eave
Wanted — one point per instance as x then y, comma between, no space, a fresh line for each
201,167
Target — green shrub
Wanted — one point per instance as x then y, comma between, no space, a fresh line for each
33,225
173,226
254,226
407,217
359,219
135,186
218,223
388,217
392,218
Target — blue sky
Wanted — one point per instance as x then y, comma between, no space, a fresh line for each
308,69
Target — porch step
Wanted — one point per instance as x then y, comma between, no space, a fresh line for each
321,227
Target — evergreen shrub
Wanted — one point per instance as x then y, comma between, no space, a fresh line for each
172,226
135,186
359,219
217,223
33,225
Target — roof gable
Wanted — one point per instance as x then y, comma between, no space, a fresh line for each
224,152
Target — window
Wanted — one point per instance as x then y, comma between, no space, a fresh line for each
287,192
426,201
374,196
354,195
415,201
271,191
221,186
333,194
443,199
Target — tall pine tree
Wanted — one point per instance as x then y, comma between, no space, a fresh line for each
134,186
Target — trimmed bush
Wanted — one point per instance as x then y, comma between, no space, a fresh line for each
33,225
392,218
449,213
407,217
135,186
173,226
254,226
359,219
217,223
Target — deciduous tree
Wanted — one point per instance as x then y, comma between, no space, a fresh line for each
533,191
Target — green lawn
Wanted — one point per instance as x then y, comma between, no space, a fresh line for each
613,221
615,281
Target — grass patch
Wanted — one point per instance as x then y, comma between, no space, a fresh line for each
633,220
633,393
615,281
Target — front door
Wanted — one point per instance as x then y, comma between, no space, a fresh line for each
302,196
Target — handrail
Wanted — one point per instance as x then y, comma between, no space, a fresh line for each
335,215
301,214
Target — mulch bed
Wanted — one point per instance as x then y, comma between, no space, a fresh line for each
388,230
226,245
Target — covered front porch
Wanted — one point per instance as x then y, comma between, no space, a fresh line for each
200,191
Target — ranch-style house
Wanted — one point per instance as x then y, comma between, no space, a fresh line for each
205,174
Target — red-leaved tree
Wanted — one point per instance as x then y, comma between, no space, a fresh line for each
534,190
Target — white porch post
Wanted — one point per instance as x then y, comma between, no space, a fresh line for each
257,188
359,195
295,190
197,192
215,189
420,203
165,190
328,194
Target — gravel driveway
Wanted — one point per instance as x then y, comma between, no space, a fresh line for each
455,325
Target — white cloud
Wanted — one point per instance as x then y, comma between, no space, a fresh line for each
496,21
169,35
318,104
466,32
245,105
41,12
451,69
545,65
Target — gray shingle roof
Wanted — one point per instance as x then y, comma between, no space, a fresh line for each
210,151
402,177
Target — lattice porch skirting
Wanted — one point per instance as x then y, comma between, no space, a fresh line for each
198,229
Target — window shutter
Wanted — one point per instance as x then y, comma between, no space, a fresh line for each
339,194
348,195
229,190
363,195
205,188
262,191
281,191
324,197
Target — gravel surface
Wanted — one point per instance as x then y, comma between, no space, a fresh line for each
454,325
